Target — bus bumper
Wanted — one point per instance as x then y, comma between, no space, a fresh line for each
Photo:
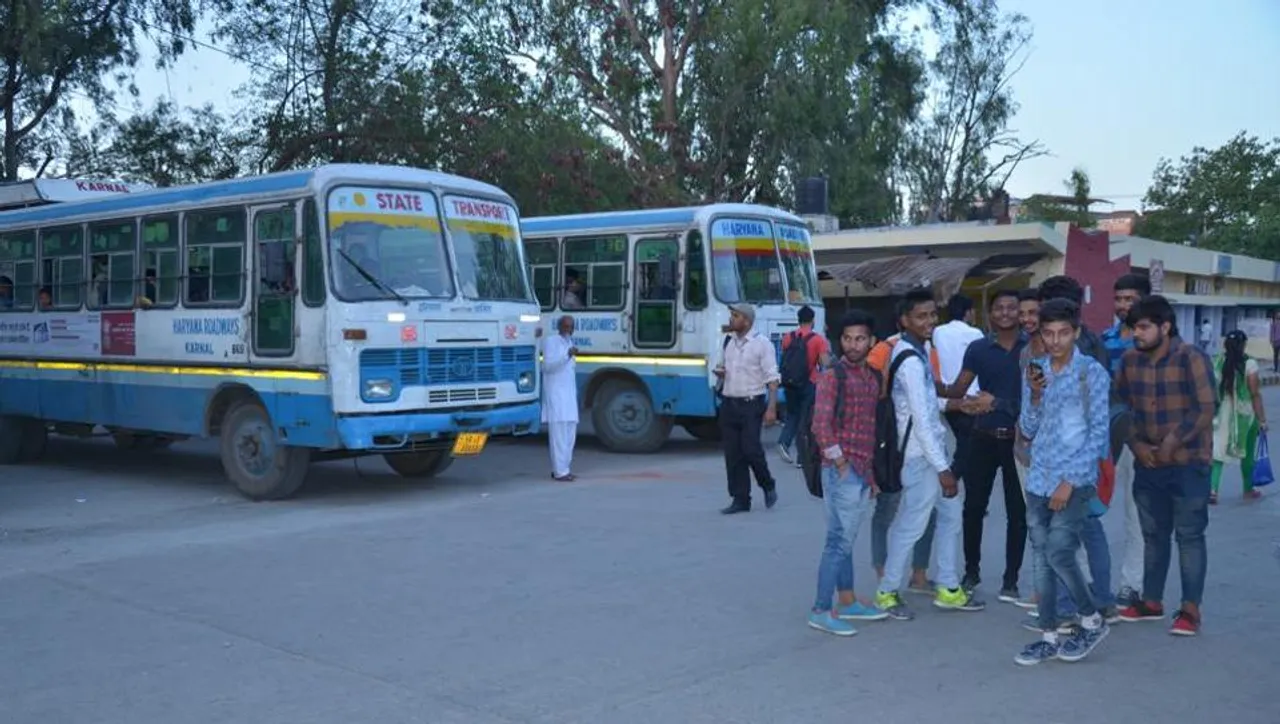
395,431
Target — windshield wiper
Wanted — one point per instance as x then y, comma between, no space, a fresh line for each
377,283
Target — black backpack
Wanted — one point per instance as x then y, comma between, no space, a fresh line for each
795,361
886,462
807,444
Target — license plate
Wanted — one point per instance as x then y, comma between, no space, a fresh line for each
469,443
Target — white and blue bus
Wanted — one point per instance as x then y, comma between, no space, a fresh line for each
650,292
300,316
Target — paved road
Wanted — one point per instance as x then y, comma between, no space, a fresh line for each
141,591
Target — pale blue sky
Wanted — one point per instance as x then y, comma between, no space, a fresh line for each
1111,85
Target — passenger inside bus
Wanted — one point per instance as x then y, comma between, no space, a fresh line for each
148,297
574,290
46,299
6,293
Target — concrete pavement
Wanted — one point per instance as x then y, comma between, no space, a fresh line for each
140,590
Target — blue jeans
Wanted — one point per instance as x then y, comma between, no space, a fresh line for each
1173,500
1055,537
846,500
1098,553
798,401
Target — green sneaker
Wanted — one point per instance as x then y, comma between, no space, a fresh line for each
891,603
957,599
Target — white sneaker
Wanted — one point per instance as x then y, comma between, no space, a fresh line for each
785,454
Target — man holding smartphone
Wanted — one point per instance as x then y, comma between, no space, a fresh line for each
1065,415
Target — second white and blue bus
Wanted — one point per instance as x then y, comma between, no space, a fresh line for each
650,291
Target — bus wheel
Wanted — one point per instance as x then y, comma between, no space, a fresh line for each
708,430
625,421
253,458
425,464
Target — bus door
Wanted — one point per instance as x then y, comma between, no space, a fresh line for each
275,287
654,302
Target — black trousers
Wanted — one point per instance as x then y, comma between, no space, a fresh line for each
962,427
740,423
988,455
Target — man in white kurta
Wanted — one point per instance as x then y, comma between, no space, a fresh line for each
560,397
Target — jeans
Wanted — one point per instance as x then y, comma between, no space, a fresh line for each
921,496
886,509
1055,538
1131,563
798,402
1173,500
987,456
846,500
1098,557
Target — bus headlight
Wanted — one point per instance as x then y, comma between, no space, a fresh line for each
524,383
378,389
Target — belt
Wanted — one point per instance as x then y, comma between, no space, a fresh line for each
999,433
749,398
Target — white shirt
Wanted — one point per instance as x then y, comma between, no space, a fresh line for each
952,340
915,400
750,364
559,380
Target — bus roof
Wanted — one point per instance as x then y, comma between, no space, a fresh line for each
245,189
618,221
41,191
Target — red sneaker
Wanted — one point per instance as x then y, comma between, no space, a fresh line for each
1142,611
1185,623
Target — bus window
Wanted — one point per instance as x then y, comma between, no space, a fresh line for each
797,262
745,262
160,272
215,256
695,272
62,265
113,249
655,292
386,243
595,272
17,271
312,257
273,297
542,257
486,245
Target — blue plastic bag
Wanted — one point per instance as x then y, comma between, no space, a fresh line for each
1262,473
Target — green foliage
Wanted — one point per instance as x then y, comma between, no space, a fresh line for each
1227,198
1054,209
963,148
53,51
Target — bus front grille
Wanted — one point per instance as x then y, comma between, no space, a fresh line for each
418,366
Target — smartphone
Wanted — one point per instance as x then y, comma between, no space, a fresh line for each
1036,368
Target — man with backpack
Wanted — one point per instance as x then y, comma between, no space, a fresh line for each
844,429
804,354
911,455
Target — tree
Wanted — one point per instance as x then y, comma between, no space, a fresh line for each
1227,198
1073,208
160,147
963,148
53,51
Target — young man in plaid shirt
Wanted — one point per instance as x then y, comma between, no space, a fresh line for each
846,439
1168,384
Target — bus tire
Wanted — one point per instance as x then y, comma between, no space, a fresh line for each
12,431
707,430
421,464
255,462
625,421
35,439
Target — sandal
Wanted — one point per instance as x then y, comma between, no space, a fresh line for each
1213,498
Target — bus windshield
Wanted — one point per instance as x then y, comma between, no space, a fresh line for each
486,245
797,262
745,261
387,244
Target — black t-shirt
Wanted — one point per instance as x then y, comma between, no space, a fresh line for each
997,372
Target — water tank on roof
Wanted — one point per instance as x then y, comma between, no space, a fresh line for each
811,196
